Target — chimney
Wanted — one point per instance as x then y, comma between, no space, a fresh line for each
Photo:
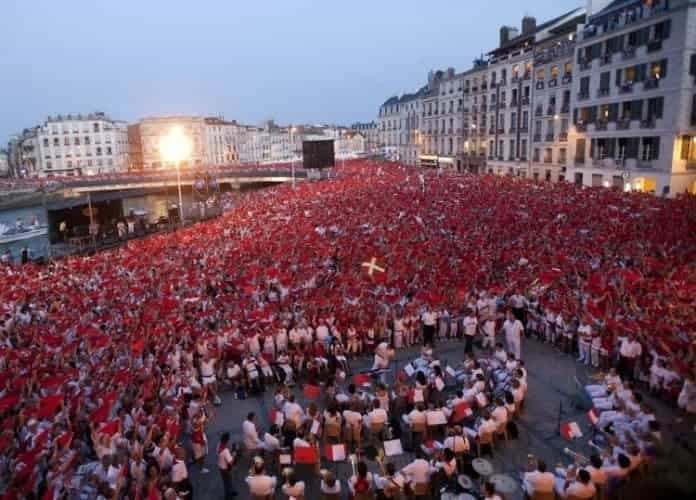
528,25
507,33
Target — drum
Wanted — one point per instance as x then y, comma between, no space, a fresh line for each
504,484
465,482
482,466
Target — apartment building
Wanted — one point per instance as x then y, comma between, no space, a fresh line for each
529,79
370,132
220,145
634,120
67,145
145,138
474,121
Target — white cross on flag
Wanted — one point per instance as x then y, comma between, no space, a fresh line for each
373,270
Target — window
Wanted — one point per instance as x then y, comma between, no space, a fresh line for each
658,69
540,74
554,71
66,141
56,141
580,151
49,165
45,142
95,127
525,119
604,79
523,149
655,108
568,68
99,151
513,121
562,156
585,86
650,148
76,141
512,149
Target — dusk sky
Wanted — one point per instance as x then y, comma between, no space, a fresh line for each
297,61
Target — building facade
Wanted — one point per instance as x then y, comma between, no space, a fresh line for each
219,140
370,132
145,137
634,117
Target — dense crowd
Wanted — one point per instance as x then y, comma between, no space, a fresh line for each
116,357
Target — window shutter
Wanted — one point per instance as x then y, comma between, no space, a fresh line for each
685,145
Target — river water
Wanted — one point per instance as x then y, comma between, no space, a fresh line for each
155,204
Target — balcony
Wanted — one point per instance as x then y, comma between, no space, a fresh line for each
583,95
623,124
628,53
549,137
539,85
502,105
502,83
527,75
474,89
581,126
466,90
548,160
514,103
491,130
538,111
563,137
514,79
605,59
626,88
654,46
600,125
585,65
484,108
603,92
648,124
537,138
484,86
523,158
535,158
551,110
553,83
651,84
524,129
565,108
525,101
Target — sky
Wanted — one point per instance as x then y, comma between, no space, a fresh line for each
296,61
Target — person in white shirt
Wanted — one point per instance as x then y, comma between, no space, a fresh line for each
584,340
418,471
329,485
226,460
630,351
581,488
179,472
486,316
429,320
538,481
293,411
292,487
500,353
376,417
270,442
251,435
470,324
260,483
513,329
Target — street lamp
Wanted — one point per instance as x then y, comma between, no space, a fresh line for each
175,148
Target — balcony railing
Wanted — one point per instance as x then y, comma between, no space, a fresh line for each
626,88
551,110
525,101
538,111
649,123
654,46
651,84
566,79
628,53
600,125
537,138
514,103
540,85
581,127
605,59
548,160
603,92
585,65
563,137
583,95
549,137
623,124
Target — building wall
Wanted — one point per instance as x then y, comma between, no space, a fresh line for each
81,145
146,137
634,104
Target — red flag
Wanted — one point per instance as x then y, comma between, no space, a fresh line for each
361,379
311,392
570,431
461,412
306,455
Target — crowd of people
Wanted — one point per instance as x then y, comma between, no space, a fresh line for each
109,363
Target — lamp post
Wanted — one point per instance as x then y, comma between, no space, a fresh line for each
175,148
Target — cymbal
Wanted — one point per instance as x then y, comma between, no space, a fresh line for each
503,483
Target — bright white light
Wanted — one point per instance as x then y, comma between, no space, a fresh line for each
175,146
627,187
606,184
